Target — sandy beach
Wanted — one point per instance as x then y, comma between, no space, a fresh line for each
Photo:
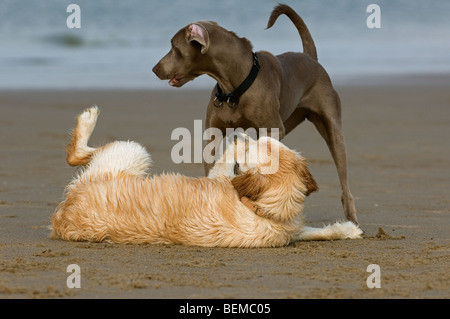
398,146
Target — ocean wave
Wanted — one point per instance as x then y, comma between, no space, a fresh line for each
66,40
70,40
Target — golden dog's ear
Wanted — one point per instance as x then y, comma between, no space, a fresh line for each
307,178
250,184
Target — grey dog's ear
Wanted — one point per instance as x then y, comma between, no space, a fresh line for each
198,33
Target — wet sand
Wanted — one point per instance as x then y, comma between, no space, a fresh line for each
398,153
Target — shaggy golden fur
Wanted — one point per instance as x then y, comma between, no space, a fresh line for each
113,199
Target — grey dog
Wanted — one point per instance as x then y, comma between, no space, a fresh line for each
265,91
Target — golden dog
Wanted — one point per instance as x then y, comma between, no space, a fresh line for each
112,199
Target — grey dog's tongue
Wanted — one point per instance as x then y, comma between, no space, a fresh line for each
173,81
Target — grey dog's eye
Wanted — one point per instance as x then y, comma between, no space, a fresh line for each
236,168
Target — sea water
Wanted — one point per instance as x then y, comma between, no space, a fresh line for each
119,42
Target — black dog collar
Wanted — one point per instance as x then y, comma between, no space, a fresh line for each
233,97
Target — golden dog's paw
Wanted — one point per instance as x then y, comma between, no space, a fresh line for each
90,115
252,206
88,119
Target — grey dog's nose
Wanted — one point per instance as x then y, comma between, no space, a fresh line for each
156,69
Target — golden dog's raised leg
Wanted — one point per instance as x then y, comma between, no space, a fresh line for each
78,152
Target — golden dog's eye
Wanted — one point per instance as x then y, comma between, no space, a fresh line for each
236,168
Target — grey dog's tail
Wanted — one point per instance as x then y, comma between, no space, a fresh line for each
308,44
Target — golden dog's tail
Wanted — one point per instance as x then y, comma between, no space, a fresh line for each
338,230
309,47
